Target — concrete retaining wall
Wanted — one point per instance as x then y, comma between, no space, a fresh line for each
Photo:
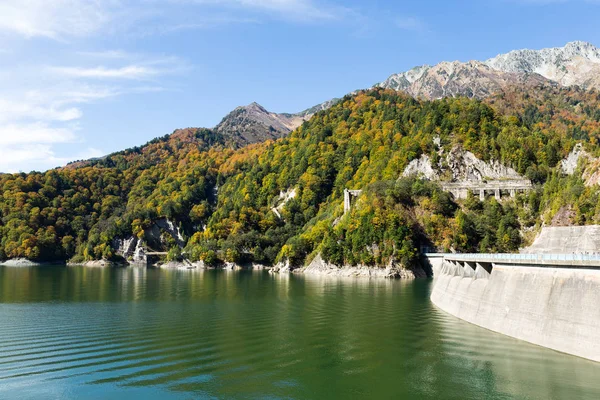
551,307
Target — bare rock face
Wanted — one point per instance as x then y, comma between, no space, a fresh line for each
421,167
461,166
465,166
131,249
282,200
254,124
577,63
569,164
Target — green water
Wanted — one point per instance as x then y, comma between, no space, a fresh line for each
71,333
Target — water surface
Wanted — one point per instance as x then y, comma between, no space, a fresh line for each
68,333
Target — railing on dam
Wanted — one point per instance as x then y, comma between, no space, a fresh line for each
563,260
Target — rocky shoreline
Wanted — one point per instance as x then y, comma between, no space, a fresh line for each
317,267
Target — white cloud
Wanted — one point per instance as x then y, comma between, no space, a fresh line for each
36,133
15,110
32,144
38,157
40,107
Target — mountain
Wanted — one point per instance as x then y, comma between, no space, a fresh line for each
253,124
577,63
452,79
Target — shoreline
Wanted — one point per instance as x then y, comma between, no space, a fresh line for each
317,267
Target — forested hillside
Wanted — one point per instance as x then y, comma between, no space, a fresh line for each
282,200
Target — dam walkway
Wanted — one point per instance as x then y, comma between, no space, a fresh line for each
487,260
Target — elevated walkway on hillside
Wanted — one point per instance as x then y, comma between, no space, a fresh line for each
460,190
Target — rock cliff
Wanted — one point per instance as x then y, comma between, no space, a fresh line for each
460,165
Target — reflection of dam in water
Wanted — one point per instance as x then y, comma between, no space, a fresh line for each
546,299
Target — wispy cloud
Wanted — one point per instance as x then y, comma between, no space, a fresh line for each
54,19
106,54
410,23
128,72
296,9
41,107
65,19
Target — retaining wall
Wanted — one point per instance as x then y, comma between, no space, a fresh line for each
551,307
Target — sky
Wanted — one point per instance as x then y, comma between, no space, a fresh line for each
85,78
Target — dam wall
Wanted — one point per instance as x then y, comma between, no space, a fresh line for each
566,240
558,308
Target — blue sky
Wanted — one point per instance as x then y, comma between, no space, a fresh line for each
84,78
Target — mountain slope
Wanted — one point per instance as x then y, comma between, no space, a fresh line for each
222,199
253,124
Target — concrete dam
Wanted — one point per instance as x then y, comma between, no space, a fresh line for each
551,300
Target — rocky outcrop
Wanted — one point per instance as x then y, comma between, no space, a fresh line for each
421,167
569,164
131,249
578,157
461,166
591,172
282,200
465,166
20,262
319,267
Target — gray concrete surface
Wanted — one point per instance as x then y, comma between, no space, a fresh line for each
552,307
567,240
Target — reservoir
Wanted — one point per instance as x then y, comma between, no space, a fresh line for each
96,333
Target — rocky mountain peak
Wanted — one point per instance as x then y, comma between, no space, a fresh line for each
253,124
577,63
254,106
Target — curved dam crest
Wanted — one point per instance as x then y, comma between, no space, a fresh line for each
557,308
